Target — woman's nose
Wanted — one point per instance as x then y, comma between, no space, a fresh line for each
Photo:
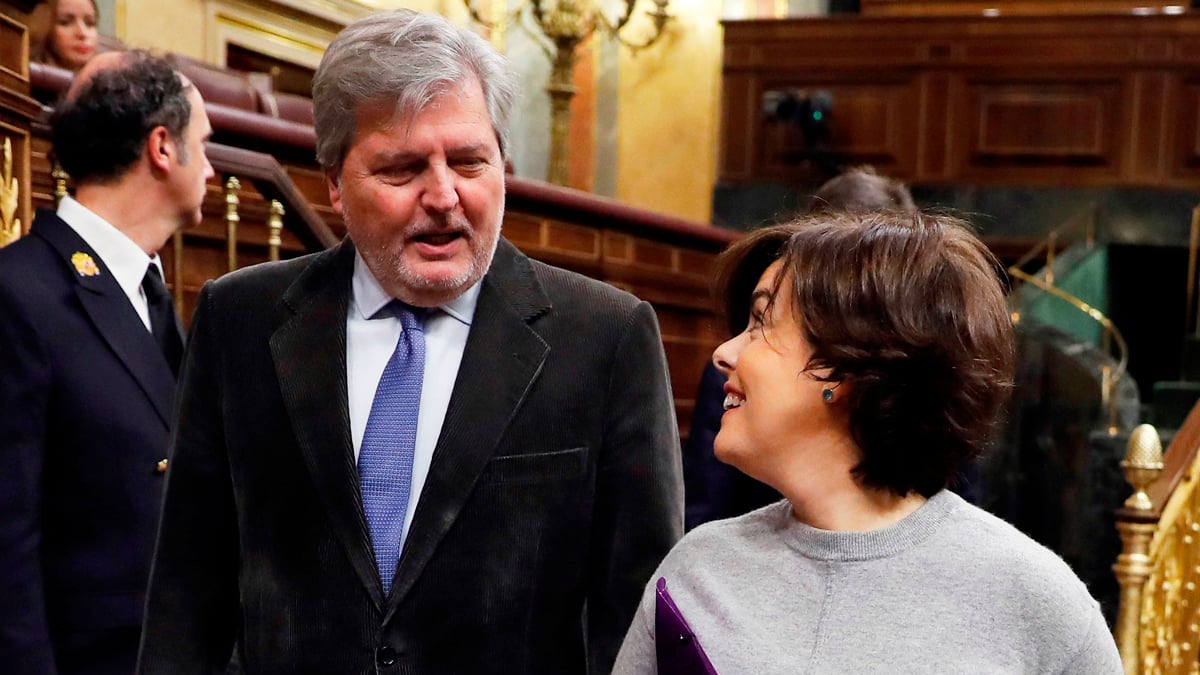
725,355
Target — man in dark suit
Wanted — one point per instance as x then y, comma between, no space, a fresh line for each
419,451
89,348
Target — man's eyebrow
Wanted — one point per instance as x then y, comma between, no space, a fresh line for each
396,156
471,149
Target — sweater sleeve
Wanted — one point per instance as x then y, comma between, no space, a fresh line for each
638,655
1097,652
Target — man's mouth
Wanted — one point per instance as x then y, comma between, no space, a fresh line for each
733,401
437,238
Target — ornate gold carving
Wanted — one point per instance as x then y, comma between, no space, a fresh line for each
10,192
275,225
232,219
1170,609
1142,464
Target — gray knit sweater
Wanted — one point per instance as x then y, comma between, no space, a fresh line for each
948,589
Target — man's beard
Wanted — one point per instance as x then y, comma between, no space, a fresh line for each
386,261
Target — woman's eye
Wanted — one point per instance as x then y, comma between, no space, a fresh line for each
756,321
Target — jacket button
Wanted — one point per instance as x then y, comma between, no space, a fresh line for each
385,656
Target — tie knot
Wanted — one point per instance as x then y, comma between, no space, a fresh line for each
411,318
152,284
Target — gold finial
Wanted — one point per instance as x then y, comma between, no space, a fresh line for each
232,185
10,191
60,183
1142,464
275,226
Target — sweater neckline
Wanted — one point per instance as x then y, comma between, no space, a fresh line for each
882,543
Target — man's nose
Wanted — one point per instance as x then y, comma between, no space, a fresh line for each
440,193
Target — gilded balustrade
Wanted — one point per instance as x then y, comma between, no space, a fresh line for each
232,217
275,229
232,185
1169,622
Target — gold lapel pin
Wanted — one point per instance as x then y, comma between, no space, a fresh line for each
84,264
162,466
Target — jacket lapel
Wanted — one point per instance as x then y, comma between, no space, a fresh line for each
505,350
309,351
110,311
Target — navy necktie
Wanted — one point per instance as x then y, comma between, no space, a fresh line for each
385,458
164,323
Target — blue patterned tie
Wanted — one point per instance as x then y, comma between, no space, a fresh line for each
385,459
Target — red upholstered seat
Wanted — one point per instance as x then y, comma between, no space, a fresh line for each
217,85
288,107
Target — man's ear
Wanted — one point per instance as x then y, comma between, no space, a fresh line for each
160,148
334,184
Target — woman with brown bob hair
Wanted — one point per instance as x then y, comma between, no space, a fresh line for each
873,355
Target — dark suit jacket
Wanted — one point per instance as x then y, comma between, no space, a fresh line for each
555,485
85,397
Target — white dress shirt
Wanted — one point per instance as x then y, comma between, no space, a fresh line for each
370,343
125,260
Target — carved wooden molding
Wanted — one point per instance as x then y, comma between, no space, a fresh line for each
10,197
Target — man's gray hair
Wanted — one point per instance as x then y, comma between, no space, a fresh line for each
406,58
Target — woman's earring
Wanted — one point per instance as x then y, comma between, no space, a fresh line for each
827,394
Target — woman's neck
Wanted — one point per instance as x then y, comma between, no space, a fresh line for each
854,508
828,496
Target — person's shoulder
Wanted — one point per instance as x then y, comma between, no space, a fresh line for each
29,263
267,280
1031,585
732,540
562,284
1021,568
27,254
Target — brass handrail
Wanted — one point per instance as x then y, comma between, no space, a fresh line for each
1110,376
1050,243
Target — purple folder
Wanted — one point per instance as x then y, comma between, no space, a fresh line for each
678,650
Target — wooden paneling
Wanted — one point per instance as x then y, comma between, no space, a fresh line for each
1036,128
1000,101
872,123
1010,7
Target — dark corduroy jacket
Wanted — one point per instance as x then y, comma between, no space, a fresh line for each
554,490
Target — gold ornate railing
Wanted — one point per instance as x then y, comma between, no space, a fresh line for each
1110,375
1158,625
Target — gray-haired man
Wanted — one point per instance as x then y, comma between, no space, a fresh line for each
419,451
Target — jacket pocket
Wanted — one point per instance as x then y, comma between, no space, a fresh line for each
537,467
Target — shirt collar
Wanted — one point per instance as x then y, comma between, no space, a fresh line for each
369,297
125,260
